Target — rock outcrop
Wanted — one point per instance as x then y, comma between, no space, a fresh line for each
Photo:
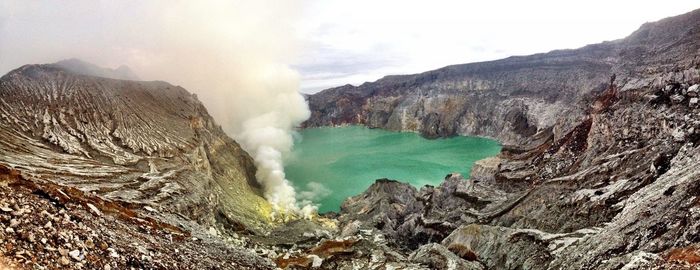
599,168
146,143
514,98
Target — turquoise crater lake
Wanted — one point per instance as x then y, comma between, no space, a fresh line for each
329,165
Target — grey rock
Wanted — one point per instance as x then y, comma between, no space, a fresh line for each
677,99
104,136
351,229
82,67
693,90
499,247
437,256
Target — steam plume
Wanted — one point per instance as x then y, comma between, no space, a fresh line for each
233,54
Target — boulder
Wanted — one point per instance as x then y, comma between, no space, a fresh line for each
437,256
677,99
499,247
485,169
693,90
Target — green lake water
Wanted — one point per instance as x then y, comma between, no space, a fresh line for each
329,165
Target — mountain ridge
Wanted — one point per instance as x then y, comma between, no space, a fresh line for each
525,83
598,169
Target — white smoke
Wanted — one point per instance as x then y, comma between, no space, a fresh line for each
268,136
234,54
314,191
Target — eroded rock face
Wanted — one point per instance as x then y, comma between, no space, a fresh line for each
617,191
609,182
514,98
436,256
498,247
662,218
136,142
410,217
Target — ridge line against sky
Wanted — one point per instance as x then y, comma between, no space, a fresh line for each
351,42
341,42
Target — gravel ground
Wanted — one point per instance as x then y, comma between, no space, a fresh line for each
45,226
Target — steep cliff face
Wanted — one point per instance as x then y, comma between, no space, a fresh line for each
510,99
618,190
607,179
141,143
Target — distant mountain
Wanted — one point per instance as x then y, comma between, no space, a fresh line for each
81,67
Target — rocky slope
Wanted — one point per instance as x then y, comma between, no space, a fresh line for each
148,149
50,226
600,167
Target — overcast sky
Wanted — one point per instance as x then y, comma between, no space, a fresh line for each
337,42
357,41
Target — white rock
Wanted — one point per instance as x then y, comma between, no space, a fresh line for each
113,253
94,209
693,90
641,260
677,99
678,135
316,261
694,101
75,254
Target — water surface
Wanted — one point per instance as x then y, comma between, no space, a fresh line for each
330,164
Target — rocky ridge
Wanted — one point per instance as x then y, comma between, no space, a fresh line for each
514,98
599,168
130,141
146,155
